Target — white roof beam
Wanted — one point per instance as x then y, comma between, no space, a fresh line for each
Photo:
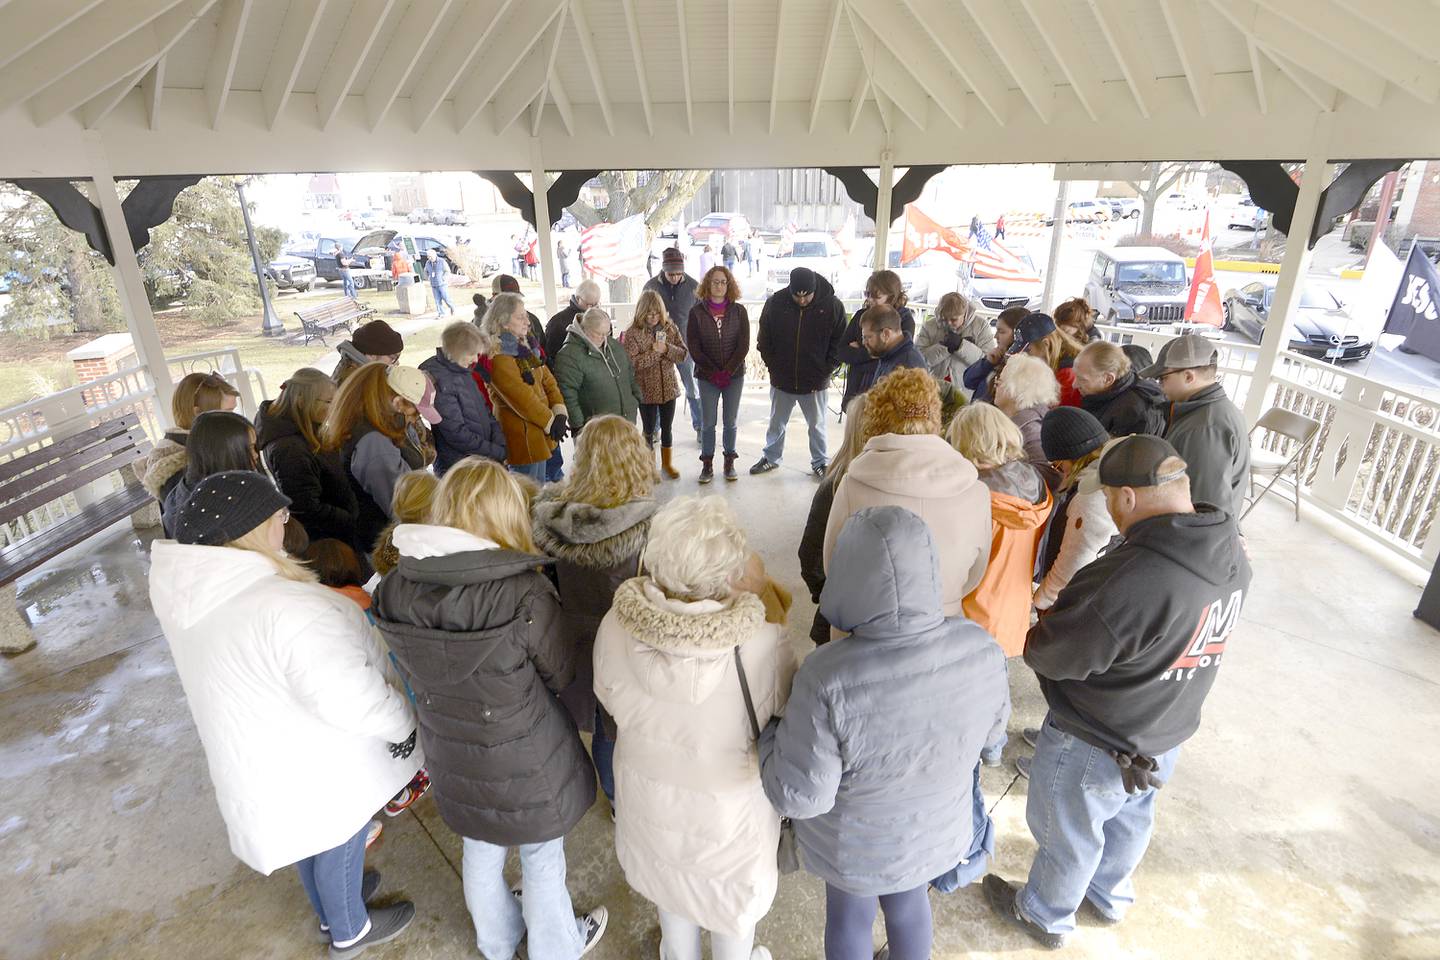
684,36
775,65
1257,71
1005,36
1278,36
916,57
152,87
134,54
886,109
1060,36
857,99
97,108
1312,86
581,20
561,99
296,35
453,57
501,56
1187,30
1119,30
527,81
730,62
85,40
29,23
939,20
221,70
1415,24
1356,38
637,53
357,37
402,56
836,8
887,75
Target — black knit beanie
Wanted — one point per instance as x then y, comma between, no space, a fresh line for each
1068,433
225,506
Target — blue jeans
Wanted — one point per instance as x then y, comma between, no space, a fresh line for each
692,396
602,751
1091,833
555,466
710,402
982,846
347,281
332,882
909,927
535,471
442,295
544,916
782,405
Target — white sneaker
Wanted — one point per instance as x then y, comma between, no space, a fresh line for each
594,922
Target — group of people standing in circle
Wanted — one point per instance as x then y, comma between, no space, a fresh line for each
382,588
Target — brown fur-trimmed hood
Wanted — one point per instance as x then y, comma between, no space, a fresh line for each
591,536
165,460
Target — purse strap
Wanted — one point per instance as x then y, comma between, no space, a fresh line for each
745,689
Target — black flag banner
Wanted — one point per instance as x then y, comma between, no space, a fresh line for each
1414,313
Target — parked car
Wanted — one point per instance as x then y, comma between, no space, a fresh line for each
720,227
422,215
1123,208
818,251
1084,211
999,292
1137,285
1240,214
451,218
291,273
1320,327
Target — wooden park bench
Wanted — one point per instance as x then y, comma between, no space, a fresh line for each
34,479
320,320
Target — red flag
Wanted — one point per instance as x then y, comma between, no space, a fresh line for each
1204,303
923,234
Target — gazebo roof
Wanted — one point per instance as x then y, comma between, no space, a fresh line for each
281,85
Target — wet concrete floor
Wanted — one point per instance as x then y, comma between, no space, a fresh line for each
1303,820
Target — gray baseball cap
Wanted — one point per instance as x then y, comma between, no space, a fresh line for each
1182,353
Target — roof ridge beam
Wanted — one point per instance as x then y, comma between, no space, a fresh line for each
1008,41
357,38
302,19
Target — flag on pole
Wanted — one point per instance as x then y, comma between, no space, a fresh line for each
615,250
923,234
995,261
1415,311
1203,305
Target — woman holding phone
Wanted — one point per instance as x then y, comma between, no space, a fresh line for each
655,345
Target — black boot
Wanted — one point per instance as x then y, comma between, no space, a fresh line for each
707,469
730,473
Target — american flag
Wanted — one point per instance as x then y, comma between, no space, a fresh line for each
995,261
615,250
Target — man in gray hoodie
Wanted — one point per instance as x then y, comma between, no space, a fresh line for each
1126,657
1204,427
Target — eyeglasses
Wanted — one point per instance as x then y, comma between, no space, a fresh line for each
1167,373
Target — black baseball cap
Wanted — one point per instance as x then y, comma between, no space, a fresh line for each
1135,462
1031,328
802,280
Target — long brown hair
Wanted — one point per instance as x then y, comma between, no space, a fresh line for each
648,303
1055,347
888,283
300,402
365,395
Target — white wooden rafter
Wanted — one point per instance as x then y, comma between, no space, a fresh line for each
357,38
502,54
152,89
1187,31
1324,96
730,64
1060,36
1118,28
561,99
220,72
637,54
1008,41
775,63
453,56
1414,24
916,58
939,20
1258,64
32,22
527,82
887,75
683,35
98,107
401,57
837,8
581,21
302,19
1278,36
857,99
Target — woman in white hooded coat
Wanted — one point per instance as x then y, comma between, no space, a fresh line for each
694,832
304,735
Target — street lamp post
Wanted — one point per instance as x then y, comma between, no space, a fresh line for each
271,327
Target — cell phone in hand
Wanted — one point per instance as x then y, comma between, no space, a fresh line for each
659,336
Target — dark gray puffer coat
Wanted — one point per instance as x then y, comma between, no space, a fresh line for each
476,630
875,757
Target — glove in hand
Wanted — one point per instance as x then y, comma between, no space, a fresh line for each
1138,772
528,377
952,339
721,379
558,426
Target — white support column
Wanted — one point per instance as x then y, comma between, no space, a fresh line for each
540,186
1315,179
882,211
128,282
1057,239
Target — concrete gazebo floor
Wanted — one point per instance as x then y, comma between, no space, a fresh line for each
1303,820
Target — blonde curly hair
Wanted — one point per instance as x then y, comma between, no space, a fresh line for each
613,465
985,436
906,402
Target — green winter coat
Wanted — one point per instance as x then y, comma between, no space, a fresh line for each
595,380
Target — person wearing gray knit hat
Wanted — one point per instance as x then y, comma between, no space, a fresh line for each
225,506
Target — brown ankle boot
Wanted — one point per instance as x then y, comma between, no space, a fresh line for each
666,465
707,469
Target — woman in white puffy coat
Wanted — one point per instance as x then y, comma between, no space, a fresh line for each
1081,525
304,736
694,831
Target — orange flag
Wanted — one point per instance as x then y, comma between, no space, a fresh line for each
1204,303
923,234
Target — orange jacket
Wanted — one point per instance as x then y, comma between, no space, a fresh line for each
1001,604
525,410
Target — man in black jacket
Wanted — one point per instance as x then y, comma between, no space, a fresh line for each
801,329
678,291
587,294
1124,403
1125,658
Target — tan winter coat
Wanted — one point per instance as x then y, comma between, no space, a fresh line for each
166,459
694,833
926,476
655,373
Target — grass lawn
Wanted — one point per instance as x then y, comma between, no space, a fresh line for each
33,368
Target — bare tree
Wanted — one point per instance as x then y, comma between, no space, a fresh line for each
658,194
1162,179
